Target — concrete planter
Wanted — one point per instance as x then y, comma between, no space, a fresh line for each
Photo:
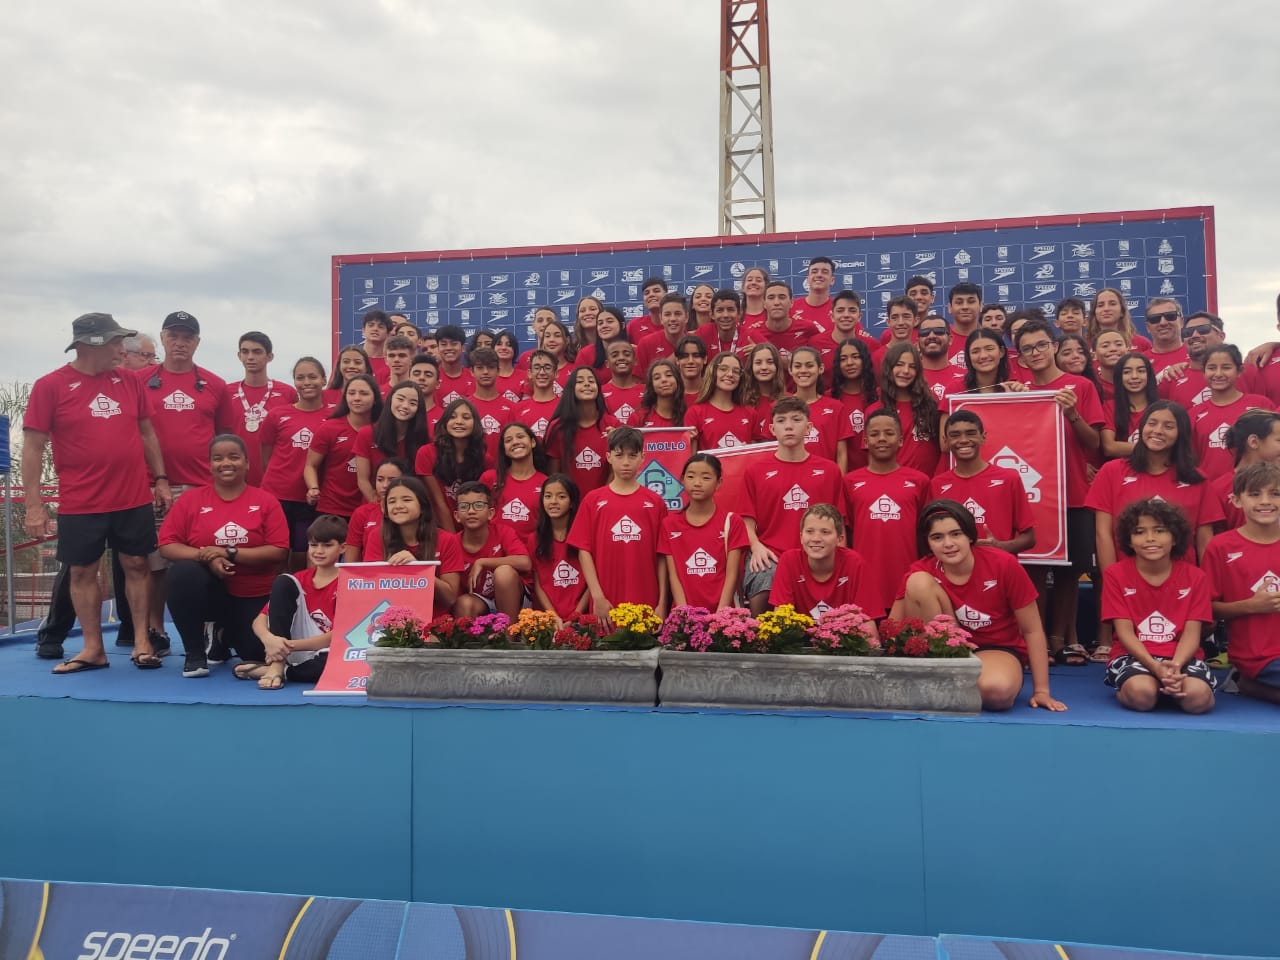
514,676
811,682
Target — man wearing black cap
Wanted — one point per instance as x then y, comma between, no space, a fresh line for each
98,419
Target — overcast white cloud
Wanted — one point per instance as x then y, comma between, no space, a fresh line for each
213,156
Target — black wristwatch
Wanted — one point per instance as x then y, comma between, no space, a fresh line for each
231,554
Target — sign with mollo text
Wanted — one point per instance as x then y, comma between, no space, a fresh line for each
365,592
665,451
1021,261
1032,445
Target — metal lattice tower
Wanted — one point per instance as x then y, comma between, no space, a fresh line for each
746,119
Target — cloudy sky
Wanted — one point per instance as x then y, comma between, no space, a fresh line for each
213,156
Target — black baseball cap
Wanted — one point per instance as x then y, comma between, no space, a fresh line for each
180,319
95,329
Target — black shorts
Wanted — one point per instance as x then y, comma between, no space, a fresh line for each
1081,539
299,515
1126,666
82,537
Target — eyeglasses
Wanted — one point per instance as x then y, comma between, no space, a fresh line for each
1027,349
932,331
139,353
1199,330
690,356
1167,316
473,506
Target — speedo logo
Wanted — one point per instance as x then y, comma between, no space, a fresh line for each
101,945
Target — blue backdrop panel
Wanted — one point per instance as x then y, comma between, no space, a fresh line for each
1027,261
978,948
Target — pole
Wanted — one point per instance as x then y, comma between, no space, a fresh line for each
8,549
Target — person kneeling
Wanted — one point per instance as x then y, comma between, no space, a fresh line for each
296,625
1157,604
989,594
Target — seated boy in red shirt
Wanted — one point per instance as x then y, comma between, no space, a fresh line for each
495,557
823,572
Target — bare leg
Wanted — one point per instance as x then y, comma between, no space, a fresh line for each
86,597
924,598
1199,696
469,605
758,603
1139,693
1259,691
1066,591
1001,679
159,596
137,586
508,591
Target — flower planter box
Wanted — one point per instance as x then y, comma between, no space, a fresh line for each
813,682
514,676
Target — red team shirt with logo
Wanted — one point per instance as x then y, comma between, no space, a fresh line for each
517,504
559,576
587,466
1158,614
501,541
321,603
1264,380
1188,390
700,553
916,453
622,532
366,519
1109,421
448,550
1237,569
829,427
451,388
1117,485
1161,360
537,415
1209,425
494,415
777,493
424,465
1222,489
855,406
623,402
335,441
97,445
720,428
365,448
805,314
1089,407
986,604
850,582
944,382
243,404
882,509
201,518
288,432
994,495
185,418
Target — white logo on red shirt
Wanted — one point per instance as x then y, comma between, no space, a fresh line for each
1268,581
819,609
1202,397
178,400
946,486
812,435
351,465
856,420
204,510
449,397
939,390
1233,557
728,440
539,428
319,618
1130,591
564,575
886,509
972,619
974,507
302,439
1128,480
1218,439
103,407
515,512
795,499
626,530
957,360
1156,628
490,423
995,483
625,412
700,564
989,585
230,533
587,459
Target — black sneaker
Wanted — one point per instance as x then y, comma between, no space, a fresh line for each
160,642
49,649
216,652
195,666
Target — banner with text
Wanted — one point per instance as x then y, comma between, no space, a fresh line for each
365,592
1025,434
665,451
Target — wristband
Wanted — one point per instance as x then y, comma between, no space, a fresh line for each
162,476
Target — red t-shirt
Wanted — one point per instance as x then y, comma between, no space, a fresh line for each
364,523
518,504
720,428
1117,485
244,405
855,409
828,427
424,465
700,553
1264,380
1109,421
709,334
514,386
536,415
946,381
642,326
288,432
365,448
850,582
448,550
1238,568
585,464
451,388
559,576
201,518
623,402
1222,487
882,509
1161,360
335,441
987,603
917,452
1089,407
778,492
622,531
654,347
994,495
1159,614
1209,425
377,366
796,335
805,314
321,603
828,346
185,410
494,415
93,424
1188,390
502,541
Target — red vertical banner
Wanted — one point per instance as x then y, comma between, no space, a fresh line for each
365,592
1025,434
733,466
665,451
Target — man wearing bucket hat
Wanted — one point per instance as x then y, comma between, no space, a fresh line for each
98,419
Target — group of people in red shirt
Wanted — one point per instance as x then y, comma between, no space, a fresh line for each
519,473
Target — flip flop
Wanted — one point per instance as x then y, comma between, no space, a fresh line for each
245,671
147,661
272,682
81,666
1073,655
1101,654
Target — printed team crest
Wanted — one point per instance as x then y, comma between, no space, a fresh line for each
302,439
626,530
1269,581
1157,628
886,509
700,564
1010,460
230,534
178,400
103,407
972,619
587,459
661,481
564,575
516,512
974,507
795,499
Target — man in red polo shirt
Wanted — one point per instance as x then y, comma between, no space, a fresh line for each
780,326
814,308
247,403
98,419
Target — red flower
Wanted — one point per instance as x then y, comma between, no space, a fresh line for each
916,647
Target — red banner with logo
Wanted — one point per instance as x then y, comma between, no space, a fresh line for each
1025,434
665,451
733,465
365,592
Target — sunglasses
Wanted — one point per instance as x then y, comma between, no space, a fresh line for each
1168,316
932,331
1199,330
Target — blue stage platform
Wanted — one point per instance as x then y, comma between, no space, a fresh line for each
1097,825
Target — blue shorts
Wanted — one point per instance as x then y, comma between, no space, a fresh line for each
1270,674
